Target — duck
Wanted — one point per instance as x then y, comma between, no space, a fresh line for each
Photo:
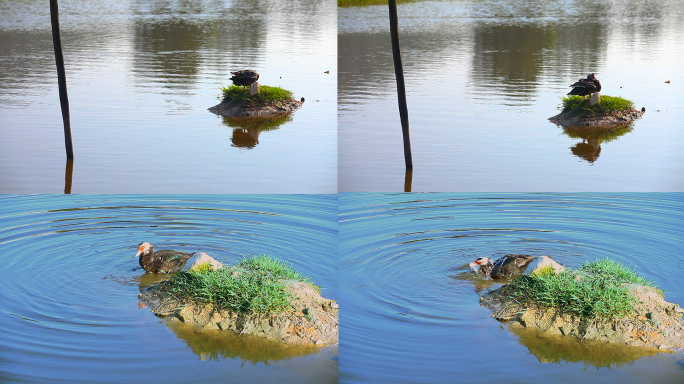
507,266
162,261
584,87
245,78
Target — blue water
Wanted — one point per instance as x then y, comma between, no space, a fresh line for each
69,305
410,303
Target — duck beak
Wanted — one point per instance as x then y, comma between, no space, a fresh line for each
140,250
478,262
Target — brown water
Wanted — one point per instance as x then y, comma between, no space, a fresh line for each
141,75
482,79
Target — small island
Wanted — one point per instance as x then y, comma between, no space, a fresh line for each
602,300
602,111
259,296
257,100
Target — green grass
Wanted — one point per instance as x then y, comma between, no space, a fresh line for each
266,95
598,293
255,285
578,104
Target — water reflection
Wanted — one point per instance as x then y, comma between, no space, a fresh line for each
246,130
215,344
589,148
565,349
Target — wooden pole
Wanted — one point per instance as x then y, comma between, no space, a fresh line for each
68,174
408,180
61,78
401,89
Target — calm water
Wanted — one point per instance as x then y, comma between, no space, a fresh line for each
482,78
411,311
141,75
70,284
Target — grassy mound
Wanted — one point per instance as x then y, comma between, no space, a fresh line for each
266,95
255,285
594,290
608,104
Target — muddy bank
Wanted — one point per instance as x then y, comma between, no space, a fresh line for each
230,109
591,119
656,323
311,319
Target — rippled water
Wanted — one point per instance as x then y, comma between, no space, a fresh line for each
411,303
141,75
482,78
70,282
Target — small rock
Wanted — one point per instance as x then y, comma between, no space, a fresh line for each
336,306
201,258
667,82
679,310
254,89
329,72
595,98
545,261
643,109
302,99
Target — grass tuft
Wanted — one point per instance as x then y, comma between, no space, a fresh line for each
266,95
254,285
595,290
578,104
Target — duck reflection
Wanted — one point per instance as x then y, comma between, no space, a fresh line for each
246,130
215,344
566,349
592,137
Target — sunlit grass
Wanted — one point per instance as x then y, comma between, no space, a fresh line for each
578,104
255,285
266,95
594,290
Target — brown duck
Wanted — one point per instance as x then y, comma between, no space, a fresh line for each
163,261
245,78
507,266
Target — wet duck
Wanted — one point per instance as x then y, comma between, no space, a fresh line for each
507,266
163,261
584,87
245,78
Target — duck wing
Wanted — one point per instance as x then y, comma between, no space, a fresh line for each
169,261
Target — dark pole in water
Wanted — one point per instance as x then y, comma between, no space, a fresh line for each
401,89
68,175
61,78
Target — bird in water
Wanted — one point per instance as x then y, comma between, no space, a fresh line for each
245,78
162,261
584,87
507,266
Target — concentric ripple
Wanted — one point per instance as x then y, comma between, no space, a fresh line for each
70,281
410,298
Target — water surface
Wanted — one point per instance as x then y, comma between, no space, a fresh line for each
70,285
141,75
411,303
482,79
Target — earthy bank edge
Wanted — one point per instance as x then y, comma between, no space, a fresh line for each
655,322
615,119
310,320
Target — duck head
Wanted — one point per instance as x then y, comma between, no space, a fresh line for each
483,266
144,247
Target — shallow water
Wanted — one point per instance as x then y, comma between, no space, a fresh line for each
140,77
70,310
411,303
482,79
